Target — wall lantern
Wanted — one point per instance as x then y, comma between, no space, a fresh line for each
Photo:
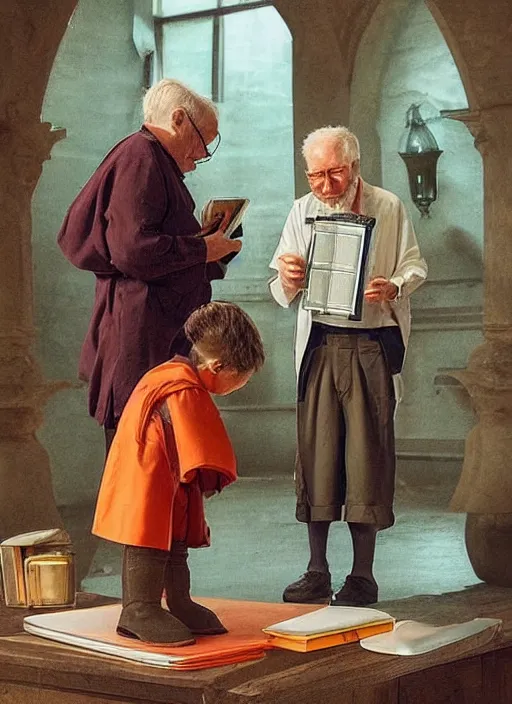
420,152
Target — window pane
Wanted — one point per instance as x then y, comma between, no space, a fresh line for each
187,53
258,59
165,8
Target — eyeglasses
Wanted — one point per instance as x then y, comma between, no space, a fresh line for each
208,153
335,174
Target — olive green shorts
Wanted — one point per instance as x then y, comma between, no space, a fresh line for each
346,449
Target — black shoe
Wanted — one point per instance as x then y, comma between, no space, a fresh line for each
142,615
357,591
311,588
152,624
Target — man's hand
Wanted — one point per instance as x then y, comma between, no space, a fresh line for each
292,272
380,289
217,246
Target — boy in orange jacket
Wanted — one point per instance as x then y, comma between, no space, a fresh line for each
170,449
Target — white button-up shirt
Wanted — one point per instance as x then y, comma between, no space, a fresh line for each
394,254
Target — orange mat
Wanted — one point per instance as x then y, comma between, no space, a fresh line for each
94,629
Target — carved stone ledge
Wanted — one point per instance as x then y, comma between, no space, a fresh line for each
26,146
488,376
450,381
484,490
472,120
20,376
448,377
447,318
23,391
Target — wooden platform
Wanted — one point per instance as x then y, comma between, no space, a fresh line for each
34,671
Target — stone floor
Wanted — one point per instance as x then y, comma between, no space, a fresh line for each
258,547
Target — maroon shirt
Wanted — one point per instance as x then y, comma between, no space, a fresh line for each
132,225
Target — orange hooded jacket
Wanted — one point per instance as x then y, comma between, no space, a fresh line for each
150,462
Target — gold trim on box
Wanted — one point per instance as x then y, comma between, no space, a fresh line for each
50,580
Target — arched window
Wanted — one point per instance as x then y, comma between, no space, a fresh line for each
196,29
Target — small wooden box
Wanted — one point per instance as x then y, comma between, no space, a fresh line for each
38,569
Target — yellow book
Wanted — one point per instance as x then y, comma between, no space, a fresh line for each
327,627
308,645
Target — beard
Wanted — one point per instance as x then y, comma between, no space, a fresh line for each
344,202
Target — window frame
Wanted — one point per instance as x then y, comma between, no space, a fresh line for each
217,15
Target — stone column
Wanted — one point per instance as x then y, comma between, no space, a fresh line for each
26,497
484,491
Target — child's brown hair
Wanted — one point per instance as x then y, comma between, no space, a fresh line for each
223,330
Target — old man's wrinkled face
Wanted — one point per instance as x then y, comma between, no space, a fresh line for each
329,175
194,143
200,139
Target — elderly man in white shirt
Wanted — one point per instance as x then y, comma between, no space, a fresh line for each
348,371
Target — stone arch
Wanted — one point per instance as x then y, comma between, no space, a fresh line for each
403,58
375,43
31,33
455,49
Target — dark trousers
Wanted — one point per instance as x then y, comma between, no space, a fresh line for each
345,432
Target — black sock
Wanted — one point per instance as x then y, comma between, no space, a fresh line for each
318,532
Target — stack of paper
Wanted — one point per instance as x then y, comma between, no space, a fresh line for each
329,626
95,630
297,627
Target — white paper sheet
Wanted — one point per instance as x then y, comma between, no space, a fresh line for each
328,620
415,638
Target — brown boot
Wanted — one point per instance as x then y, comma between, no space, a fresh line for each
142,616
199,619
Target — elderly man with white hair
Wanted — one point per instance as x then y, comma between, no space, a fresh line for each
348,371
133,226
